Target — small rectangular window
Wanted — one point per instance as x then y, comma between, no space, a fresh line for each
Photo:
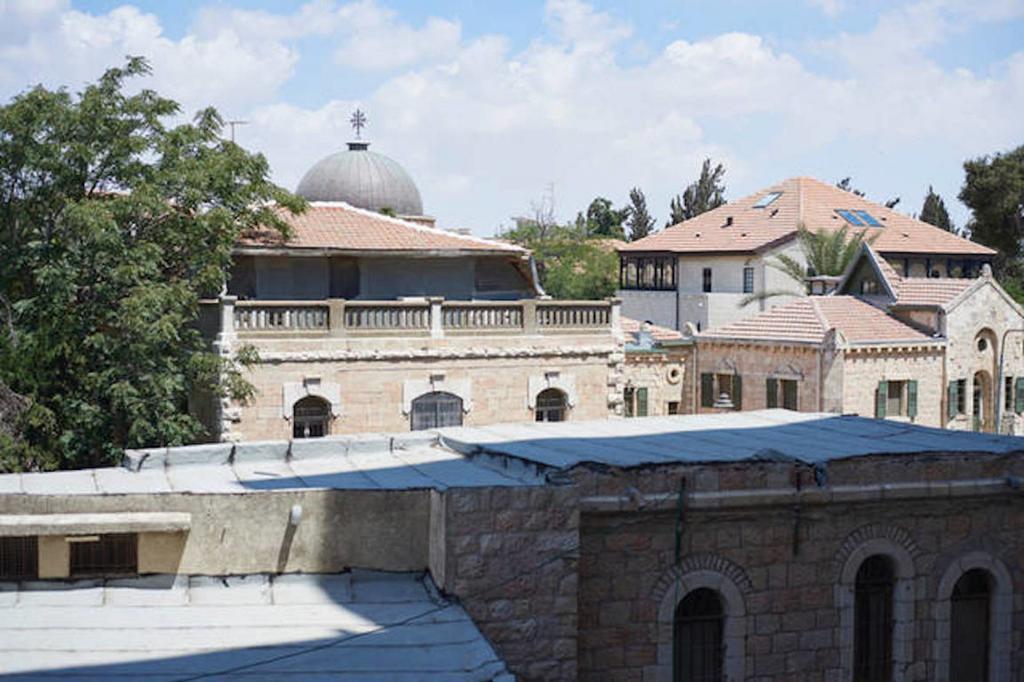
19,558
789,394
672,407
628,397
111,554
748,280
894,404
767,199
706,283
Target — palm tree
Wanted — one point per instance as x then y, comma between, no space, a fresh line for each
827,252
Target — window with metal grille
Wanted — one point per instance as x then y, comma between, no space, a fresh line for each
748,280
672,407
551,406
437,409
969,627
19,558
103,555
311,418
873,620
698,637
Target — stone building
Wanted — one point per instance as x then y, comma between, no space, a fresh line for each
937,351
700,270
655,377
769,545
366,321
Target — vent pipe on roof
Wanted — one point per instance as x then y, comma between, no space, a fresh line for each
728,221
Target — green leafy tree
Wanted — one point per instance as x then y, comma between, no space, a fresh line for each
583,270
994,191
933,211
640,222
601,220
114,224
826,252
708,192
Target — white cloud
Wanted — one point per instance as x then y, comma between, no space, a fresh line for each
484,128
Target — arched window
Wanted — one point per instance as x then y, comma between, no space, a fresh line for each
873,620
311,418
969,627
436,409
698,637
551,406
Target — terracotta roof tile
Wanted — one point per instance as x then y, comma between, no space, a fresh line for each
930,291
337,225
809,319
631,328
806,200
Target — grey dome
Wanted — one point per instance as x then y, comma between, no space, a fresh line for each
364,179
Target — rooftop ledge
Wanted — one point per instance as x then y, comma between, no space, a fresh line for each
428,316
88,524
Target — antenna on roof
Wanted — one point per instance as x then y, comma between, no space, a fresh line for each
232,124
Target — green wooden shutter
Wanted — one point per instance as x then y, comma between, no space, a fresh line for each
912,399
1018,396
737,391
790,399
880,397
951,399
641,402
772,392
707,390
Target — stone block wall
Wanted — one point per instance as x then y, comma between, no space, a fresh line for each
785,571
755,363
664,377
509,556
863,368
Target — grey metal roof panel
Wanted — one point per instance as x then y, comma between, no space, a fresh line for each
364,625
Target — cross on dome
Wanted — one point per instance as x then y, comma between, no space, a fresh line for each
358,122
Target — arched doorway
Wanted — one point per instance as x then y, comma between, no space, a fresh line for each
873,620
982,404
436,409
311,418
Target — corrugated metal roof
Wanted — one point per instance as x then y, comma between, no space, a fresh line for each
353,626
732,437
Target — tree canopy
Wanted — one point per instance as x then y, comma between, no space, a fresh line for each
994,191
702,195
640,222
934,212
602,220
115,222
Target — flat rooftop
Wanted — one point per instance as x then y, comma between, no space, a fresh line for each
504,454
361,625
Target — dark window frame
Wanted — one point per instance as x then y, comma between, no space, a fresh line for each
435,410
19,558
698,637
874,621
551,405
647,272
107,555
311,418
748,279
706,280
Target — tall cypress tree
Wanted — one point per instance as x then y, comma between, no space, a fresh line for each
640,222
933,211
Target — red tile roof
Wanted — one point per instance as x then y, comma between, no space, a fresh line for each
631,328
928,291
809,319
339,226
812,203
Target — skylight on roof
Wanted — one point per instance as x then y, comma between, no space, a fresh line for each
767,199
868,218
849,217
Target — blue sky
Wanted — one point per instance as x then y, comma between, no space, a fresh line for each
492,105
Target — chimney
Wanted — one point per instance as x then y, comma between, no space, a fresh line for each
728,221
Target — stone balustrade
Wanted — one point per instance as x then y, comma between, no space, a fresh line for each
434,317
